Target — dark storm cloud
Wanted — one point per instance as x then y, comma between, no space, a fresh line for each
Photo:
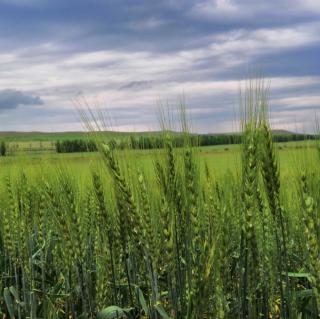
11,99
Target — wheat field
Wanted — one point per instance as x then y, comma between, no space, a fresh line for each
169,239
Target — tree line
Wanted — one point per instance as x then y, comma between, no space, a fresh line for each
156,142
3,149
73,146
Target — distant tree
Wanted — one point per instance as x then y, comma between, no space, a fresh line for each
72,146
3,149
58,147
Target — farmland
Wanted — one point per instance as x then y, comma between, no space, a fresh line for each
220,158
228,231
175,231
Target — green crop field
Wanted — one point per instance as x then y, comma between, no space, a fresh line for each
228,231
219,159
170,233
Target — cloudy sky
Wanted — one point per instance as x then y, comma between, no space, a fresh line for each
127,55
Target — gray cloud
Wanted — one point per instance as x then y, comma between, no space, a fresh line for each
11,99
125,55
136,85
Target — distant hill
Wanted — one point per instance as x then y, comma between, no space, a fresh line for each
275,132
284,132
54,136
